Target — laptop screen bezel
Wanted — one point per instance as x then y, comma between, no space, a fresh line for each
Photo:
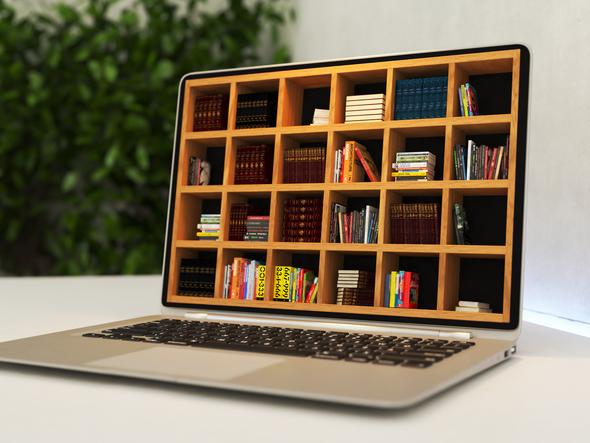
515,304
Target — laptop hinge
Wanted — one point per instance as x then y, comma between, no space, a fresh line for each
456,335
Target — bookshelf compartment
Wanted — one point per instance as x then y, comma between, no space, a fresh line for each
192,206
302,96
485,212
428,218
420,92
212,151
427,267
301,258
431,139
298,217
195,282
353,200
475,279
358,83
241,289
492,80
251,160
302,158
259,110
349,260
372,139
202,115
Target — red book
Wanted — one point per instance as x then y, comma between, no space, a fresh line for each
406,289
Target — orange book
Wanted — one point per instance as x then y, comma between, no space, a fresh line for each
352,170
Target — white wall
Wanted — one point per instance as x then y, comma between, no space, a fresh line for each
557,251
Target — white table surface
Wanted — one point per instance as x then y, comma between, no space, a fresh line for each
542,394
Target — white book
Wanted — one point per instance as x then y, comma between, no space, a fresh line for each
470,148
468,309
364,112
207,226
473,304
321,112
376,103
361,106
365,97
369,211
364,118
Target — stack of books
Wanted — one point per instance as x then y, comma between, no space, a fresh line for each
253,164
413,166
197,277
244,279
472,306
256,228
467,100
355,287
321,116
238,215
462,232
415,223
257,110
401,289
353,227
302,219
208,227
199,171
352,162
304,165
480,162
364,108
297,285
210,112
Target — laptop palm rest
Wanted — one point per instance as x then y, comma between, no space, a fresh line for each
188,363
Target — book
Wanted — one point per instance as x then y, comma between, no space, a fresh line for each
352,170
462,232
420,98
208,227
256,110
417,223
321,116
468,100
479,162
365,107
470,309
402,289
355,226
260,281
244,279
415,166
473,304
293,284
253,164
304,165
302,219
367,162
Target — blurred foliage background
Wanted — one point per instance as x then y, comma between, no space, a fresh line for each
87,108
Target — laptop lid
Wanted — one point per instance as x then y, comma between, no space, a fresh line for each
467,109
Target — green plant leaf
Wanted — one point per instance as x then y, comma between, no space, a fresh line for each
69,181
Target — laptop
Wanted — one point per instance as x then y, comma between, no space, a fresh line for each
358,337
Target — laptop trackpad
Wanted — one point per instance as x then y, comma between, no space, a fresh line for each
198,363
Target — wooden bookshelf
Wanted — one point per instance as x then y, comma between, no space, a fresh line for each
447,262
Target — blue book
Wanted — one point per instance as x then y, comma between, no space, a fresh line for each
386,295
418,97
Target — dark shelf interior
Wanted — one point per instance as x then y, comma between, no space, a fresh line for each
486,216
370,88
482,280
314,98
494,92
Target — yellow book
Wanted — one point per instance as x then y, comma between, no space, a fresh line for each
260,281
207,234
464,100
314,294
392,288
282,283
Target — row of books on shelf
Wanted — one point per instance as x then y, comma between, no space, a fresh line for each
352,162
245,279
364,108
417,223
253,164
420,98
413,166
247,223
480,162
197,278
209,227
302,219
401,289
355,287
304,165
256,110
354,226
210,112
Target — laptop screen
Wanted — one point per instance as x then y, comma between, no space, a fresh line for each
387,188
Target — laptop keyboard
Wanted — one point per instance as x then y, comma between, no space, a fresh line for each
362,348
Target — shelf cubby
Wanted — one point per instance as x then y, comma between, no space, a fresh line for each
335,261
448,271
475,279
209,256
302,96
425,264
492,80
357,83
191,207
431,138
416,195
